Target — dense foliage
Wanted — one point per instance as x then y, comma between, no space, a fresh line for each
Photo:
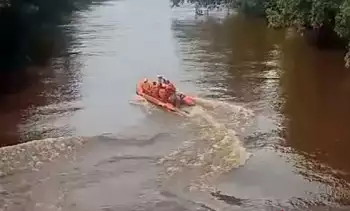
334,15
311,14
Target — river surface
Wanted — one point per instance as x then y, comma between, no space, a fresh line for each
270,130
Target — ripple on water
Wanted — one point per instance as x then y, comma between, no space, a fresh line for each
32,155
214,150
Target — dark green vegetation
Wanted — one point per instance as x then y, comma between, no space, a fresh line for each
323,16
329,20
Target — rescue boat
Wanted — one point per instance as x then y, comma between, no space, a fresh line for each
186,101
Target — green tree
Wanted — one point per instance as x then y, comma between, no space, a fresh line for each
342,26
312,15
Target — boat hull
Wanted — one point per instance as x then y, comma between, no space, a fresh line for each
185,100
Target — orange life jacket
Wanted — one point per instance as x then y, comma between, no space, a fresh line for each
170,89
146,86
154,91
163,95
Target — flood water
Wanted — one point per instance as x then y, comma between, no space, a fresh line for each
269,132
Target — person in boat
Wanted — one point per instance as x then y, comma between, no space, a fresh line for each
163,94
146,86
155,90
171,94
161,80
167,91
170,86
162,88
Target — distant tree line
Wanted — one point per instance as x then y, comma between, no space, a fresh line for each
325,17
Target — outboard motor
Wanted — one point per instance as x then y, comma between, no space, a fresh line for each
189,101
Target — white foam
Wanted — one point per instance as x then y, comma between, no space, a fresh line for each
31,155
217,149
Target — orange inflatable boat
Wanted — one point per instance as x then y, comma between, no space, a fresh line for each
185,100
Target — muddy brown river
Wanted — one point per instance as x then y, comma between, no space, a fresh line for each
270,131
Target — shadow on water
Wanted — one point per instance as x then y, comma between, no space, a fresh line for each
39,66
231,47
315,87
300,96
305,91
